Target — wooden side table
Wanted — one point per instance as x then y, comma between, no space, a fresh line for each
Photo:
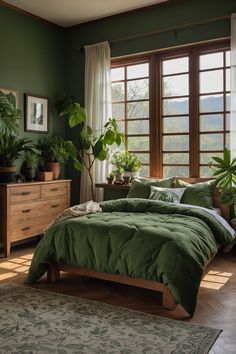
113,191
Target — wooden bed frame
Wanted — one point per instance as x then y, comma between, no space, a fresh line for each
168,300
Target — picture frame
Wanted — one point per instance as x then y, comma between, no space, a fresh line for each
36,114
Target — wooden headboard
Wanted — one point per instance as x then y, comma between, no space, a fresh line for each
225,208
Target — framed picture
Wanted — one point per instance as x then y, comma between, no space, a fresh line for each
36,114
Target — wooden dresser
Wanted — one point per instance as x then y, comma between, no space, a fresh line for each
27,208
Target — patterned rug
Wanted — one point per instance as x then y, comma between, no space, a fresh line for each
38,321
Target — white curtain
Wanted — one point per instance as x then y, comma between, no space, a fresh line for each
233,87
98,108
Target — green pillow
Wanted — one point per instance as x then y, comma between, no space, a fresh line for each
200,194
140,187
171,195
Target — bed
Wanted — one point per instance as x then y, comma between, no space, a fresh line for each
146,243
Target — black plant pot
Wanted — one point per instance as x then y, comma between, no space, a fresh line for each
30,173
7,174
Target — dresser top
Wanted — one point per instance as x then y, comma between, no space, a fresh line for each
33,183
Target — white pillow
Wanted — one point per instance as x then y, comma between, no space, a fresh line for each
171,195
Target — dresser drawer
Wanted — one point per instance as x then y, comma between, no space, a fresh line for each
27,210
54,190
24,193
31,227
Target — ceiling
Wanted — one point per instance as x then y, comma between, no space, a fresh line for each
72,12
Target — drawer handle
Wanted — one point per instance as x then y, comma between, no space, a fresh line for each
54,206
25,228
26,211
25,193
54,189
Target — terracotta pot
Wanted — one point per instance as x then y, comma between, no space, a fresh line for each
7,174
53,167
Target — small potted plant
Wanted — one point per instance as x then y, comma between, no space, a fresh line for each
11,149
29,168
129,163
110,178
55,151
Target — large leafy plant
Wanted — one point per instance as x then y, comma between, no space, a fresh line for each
12,148
224,172
55,149
92,145
9,114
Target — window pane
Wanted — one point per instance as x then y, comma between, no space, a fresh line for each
227,140
205,171
176,125
176,85
118,110
176,143
145,171
227,121
176,158
140,143
175,106
138,109
118,91
117,74
138,127
227,71
135,71
138,89
174,66
121,126
227,58
213,103
206,157
181,171
210,61
211,142
228,102
211,81
145,158
211,122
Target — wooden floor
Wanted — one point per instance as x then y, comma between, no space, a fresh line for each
216,305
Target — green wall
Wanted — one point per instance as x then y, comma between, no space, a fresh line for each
32,60
139,22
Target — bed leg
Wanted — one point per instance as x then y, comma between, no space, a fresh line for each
53,273
168,300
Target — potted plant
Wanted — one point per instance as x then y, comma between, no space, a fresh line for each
91,145
110,178
11,149
55,151
224,172
29,168
10,146
128,162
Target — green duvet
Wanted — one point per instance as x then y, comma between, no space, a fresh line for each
137,238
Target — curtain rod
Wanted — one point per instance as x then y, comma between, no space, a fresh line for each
173,28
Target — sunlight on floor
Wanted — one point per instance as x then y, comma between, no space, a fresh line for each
215,280
15,266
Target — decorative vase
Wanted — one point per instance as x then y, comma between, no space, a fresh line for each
30,173
110,180
7,174
53,167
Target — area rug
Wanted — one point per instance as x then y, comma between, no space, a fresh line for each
38,321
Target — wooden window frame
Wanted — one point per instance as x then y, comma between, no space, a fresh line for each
155,100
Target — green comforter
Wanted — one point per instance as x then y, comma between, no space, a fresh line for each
137,238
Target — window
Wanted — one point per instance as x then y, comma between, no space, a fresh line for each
130,108
174,108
